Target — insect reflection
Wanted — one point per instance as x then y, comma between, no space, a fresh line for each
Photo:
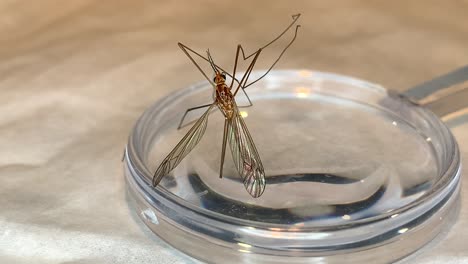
245,155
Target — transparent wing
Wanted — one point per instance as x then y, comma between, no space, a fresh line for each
245,156
183,148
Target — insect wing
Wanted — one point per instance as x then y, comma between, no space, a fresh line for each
245,156
183,148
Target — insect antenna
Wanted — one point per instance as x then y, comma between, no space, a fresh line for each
211,61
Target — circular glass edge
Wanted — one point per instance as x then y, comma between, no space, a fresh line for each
446,183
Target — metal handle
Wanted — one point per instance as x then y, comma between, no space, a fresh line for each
443,95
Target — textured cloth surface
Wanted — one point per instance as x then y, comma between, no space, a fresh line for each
75,76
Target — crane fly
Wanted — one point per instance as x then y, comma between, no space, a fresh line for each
244,153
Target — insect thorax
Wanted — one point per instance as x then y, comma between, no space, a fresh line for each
224,99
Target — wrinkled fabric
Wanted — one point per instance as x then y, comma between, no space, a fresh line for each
75,76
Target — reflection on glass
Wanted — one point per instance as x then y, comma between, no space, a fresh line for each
244,114
403,230
305,73
302,92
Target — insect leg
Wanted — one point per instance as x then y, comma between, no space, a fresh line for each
276,61
247,73
245,85
187,111
239,48
186,50
248,98
223,150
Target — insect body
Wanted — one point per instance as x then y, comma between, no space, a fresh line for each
243,150
224,97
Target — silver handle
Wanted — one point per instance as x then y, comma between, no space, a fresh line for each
444,94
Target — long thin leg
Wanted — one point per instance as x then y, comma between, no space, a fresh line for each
188,110
183,47
223,150
248,98
186,49
294,17
247,73
276,61
244,106
239,47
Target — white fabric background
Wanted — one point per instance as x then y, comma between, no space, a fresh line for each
75,76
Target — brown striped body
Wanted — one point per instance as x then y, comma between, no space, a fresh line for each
224,97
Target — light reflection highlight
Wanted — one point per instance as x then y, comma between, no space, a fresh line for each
244,245
305,73
275,229
403,230
290,233
302,92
